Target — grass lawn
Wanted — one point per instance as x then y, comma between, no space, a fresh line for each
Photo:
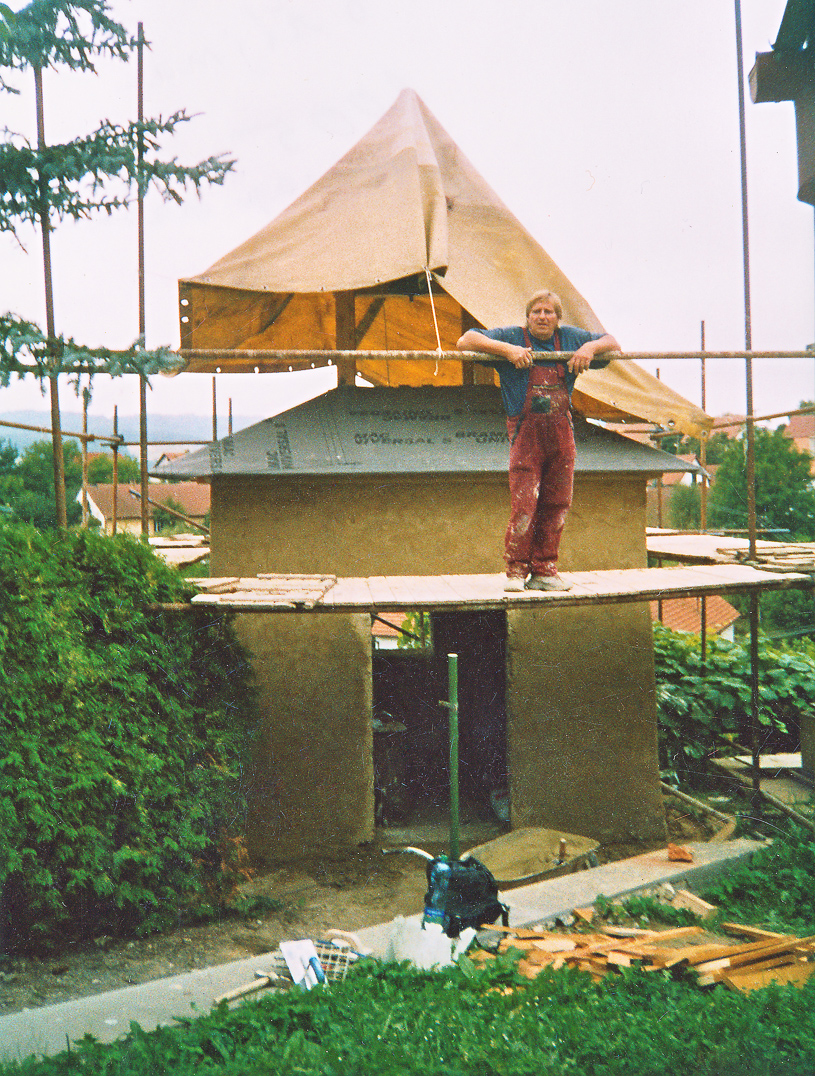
483,1020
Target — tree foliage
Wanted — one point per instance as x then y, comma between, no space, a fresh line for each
785,499
680,445
35,500
46,33
26,350
100,469
685,507
27,479
705,708
123,733
101,171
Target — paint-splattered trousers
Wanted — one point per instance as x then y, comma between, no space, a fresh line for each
541,475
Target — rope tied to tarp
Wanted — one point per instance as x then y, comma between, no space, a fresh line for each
439,348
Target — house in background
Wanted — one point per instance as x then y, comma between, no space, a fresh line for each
685,614
801,431
192,499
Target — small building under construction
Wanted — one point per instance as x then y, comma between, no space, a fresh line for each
556,704
401,472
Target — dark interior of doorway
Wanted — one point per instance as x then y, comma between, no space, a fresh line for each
411,729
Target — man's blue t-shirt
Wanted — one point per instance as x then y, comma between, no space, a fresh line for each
514,382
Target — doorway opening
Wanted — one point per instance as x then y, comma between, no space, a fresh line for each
411,728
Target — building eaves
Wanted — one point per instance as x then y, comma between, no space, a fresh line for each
356,431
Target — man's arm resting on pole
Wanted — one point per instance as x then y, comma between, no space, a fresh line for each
581,360
586,353
473,340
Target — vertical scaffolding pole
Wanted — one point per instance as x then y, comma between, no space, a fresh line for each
703,441
751,455
703,497
755,726
214,411
748,325
452,708
114,516
85,513
143,500
61,507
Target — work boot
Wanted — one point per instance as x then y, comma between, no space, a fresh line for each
514,584
547,582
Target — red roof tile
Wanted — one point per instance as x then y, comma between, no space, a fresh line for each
800,426
192,496
685,614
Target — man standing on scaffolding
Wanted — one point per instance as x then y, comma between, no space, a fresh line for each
537,397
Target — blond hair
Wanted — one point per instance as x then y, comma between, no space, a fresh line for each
546,294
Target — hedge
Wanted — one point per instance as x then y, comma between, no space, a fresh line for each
123,731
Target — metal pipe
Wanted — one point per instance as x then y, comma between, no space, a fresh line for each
143,480
748,325
315,355
172,512
131,444
452,694
114,518
691,802
703,633
85,395
63,433
703,441
755,702
60,506
745,789
733,422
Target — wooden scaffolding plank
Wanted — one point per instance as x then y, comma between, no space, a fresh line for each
486,591
349,592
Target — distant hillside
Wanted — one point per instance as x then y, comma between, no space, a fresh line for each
159,427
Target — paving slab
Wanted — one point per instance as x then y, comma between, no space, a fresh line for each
106,1017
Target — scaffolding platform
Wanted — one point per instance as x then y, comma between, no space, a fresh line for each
477,593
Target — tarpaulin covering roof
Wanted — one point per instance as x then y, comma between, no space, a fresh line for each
359,431
788,74
346,267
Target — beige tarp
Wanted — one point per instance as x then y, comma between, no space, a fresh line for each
346,267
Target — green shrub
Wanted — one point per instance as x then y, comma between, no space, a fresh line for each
704,708
777,886
465,1021
122,734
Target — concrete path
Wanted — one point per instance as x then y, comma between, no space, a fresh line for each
49,1029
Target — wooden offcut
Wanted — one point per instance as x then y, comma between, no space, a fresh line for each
768,957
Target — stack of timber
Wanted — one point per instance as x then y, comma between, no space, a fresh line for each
767,957
265,589
794,557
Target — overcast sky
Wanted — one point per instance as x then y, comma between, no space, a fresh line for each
609,128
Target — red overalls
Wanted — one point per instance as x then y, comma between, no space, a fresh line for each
541,472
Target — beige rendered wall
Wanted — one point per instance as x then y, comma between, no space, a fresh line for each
438,524
580,687
581,707
581,722
313,773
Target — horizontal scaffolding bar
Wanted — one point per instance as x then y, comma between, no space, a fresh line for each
164,444
111,439
189,354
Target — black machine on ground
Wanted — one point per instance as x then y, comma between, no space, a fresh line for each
460,893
